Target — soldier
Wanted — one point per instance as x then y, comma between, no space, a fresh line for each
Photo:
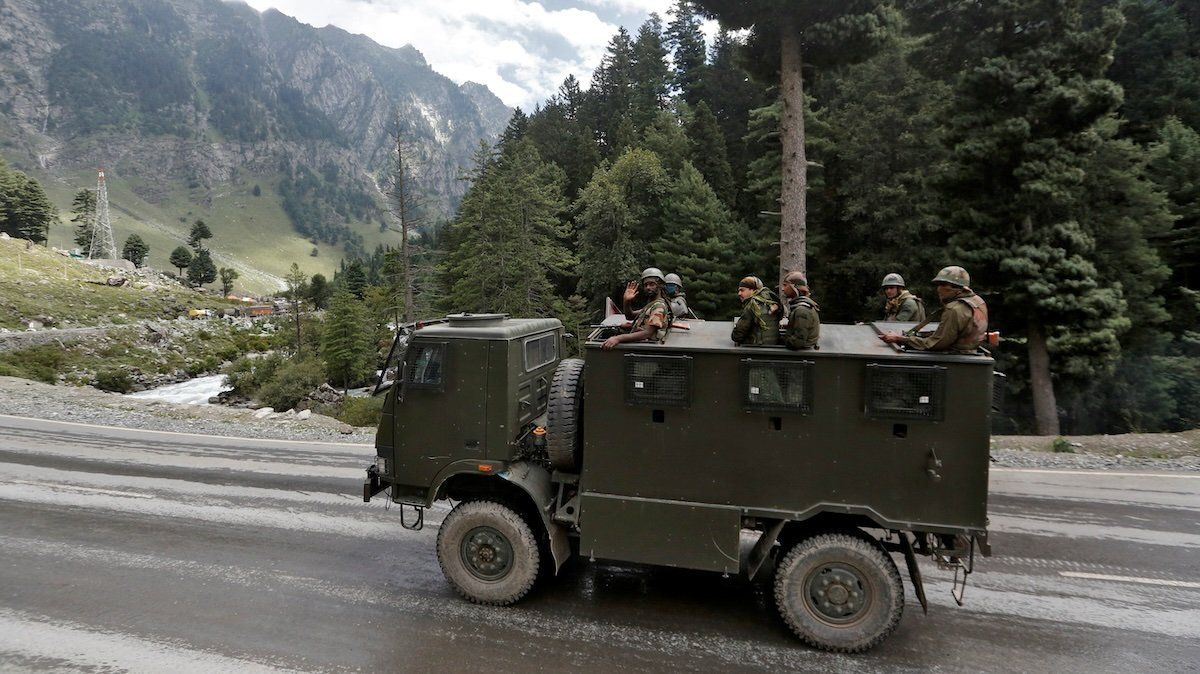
651,323
902,306
759,323
804,321
963,323
677,297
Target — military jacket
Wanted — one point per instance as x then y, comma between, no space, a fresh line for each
679,307
759,323
904,307
654,313
961,327
804,324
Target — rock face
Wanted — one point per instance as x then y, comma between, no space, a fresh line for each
192,93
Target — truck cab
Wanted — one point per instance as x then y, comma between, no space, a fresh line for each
831,460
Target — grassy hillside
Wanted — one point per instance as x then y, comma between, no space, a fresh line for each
37,282
251,234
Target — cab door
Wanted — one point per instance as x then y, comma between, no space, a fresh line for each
441,407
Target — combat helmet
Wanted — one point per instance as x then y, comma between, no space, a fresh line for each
955,276
654,273
673,278
892,279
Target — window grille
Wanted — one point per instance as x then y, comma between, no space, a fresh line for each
999,389
662,381
424,365
540,351
904,392
777,385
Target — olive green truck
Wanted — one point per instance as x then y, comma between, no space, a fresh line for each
822,466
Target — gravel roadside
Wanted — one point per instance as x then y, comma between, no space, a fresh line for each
21,397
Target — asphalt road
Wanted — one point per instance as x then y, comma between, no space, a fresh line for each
145,551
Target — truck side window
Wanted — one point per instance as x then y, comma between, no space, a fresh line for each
777,385
902,392
662,381
540,351
423,365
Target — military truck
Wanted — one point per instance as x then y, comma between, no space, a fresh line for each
694,453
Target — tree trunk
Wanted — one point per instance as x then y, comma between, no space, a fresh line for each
1045,406
793,208
296,311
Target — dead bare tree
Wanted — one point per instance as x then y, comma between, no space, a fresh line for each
405,206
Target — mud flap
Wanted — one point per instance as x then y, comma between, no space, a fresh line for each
535,481
762,548
914,571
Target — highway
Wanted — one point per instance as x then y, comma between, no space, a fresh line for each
129,550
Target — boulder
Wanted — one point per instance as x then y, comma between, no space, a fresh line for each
303,415
264,412
117,281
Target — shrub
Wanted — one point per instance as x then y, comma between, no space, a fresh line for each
40,363
291,382
117,381
1062,446
358,411
247,375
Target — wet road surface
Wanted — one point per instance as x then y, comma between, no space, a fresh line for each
144,551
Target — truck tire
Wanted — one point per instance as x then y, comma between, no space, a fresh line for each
839,592
488,553
564,416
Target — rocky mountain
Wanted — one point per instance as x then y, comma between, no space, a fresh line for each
189,101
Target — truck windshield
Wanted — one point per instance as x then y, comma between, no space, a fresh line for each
391,369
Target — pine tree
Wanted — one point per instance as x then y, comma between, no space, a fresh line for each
319,291
786,35
199,233
1027,113
84,208
651,77
181,258
25,210
135,250
354,278
202,270
346,342
686,41
619,213
561,138
228,276
700,244
666,138
708,152
609,100
1175,167
512,237
731,94
294,279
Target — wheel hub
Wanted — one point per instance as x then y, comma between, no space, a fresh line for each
486,553
836,593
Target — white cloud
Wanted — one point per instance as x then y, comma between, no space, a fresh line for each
500,43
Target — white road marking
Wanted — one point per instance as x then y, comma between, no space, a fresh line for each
1130,579
192,435
1095,473
72,646
71,487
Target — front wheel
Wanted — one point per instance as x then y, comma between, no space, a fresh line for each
839,592
488,553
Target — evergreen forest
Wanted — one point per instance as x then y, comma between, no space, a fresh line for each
1050,147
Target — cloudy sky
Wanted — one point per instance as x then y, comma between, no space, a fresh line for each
521,49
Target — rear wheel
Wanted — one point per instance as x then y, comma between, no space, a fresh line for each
488,553
839,592
564,416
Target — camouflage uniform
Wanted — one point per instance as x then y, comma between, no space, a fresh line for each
904,307
804,324
759,323
654,313
961,327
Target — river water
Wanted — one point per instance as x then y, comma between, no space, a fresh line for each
191,392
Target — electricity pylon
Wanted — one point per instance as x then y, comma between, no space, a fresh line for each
102,246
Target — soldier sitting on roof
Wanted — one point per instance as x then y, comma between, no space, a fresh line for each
676,297
804,321
962,326
901,305
651,323
759,323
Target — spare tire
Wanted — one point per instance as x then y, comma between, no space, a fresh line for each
564,416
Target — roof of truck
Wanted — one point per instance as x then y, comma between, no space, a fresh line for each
487,326
861,341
